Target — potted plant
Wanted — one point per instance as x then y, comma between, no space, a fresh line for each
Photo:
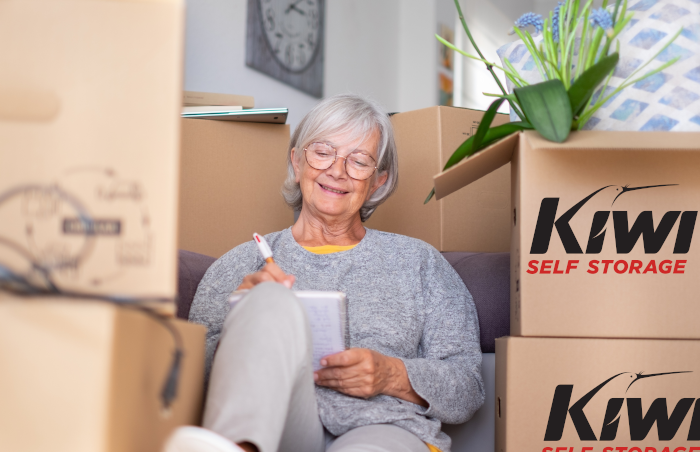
575,54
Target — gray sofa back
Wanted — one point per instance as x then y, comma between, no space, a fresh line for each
486,275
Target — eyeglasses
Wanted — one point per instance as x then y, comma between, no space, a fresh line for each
322,156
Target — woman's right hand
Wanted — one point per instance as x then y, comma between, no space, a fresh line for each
270,272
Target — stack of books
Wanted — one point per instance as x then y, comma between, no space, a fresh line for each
228,107
198,102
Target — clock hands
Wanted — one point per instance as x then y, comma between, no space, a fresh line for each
300,11
293,6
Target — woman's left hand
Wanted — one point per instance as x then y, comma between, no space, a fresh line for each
365,373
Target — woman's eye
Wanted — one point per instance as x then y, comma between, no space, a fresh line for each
322,154
359,163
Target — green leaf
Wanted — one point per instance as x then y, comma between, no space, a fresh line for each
594,47
583,87
492,135
485,123
546,106
430,196
617,8
505,96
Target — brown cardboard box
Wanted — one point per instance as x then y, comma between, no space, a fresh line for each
475,219
597,395
632,200
90,95
230,183
87,377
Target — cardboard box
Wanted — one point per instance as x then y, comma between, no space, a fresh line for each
597,395
86,376
90,96
230,183
477,218
602,232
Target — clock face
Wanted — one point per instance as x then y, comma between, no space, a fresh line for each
292,30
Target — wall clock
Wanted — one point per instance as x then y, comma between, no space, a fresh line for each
285,40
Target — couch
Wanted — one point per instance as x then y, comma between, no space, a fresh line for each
486,275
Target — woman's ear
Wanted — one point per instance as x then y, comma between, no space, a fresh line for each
378,182
295,165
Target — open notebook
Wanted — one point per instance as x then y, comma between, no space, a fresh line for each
327,314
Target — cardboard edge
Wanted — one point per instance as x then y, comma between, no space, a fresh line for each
441,207
113,322
193,365
516,286
475,167
614,140
117,416
501,393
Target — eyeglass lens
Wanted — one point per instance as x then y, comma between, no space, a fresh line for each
358,165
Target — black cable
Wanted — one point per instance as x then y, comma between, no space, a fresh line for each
169,391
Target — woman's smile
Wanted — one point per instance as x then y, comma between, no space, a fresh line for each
331,189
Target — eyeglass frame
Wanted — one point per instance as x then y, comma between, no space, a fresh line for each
335,159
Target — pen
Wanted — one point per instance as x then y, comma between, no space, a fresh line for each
263,247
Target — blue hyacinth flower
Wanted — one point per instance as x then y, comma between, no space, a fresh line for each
530,19
601,18
555,22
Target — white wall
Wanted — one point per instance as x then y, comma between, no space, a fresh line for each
362,40
383,49
417,82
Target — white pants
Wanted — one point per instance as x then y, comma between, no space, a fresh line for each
261,388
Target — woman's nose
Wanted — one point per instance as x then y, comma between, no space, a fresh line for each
337,169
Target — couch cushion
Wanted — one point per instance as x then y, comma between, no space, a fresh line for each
487,276
190,270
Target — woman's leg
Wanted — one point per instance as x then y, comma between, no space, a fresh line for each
261,388
378,438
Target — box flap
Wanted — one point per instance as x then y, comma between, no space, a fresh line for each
618,140
498,154
475,167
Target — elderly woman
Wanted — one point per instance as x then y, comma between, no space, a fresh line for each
413,360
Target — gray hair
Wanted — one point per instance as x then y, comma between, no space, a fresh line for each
358,117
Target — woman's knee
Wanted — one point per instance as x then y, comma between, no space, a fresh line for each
269,302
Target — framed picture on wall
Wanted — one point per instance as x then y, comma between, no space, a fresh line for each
285,40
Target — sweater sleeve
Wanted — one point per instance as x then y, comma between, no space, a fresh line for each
447,373
210,304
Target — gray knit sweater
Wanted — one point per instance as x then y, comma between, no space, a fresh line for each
404,300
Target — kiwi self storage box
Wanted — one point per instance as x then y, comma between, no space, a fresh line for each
603,240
